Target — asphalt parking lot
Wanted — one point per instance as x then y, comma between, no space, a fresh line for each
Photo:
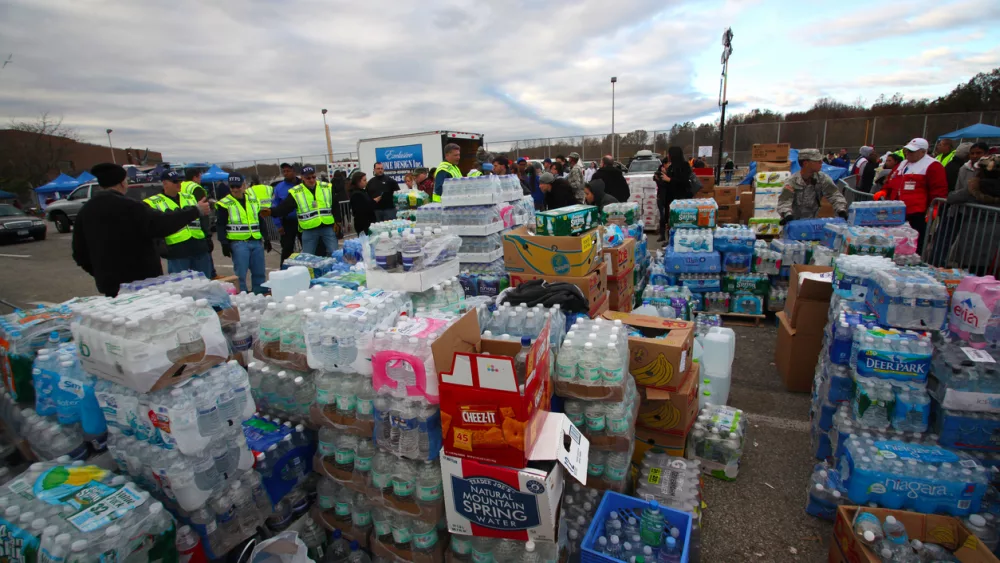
759,517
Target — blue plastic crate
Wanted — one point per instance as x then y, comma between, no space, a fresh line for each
627,506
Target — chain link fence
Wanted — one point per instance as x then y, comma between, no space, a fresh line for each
268,170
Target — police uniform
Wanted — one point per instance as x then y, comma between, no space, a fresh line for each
189,248
801,198
448,169
239,232
316,211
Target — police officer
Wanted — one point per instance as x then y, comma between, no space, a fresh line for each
263,192
447,169
114,236
189,248
800,198
316,210
192,184
238,225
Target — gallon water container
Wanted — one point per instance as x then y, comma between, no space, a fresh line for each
719,348
284,283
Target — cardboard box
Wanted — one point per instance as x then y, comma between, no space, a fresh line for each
764,166
770,152
670,413
727,213
593,285
658,362
524,253
726,195
647,439
705,194
795,356
946,531
808,301
484,416
622,289
707,182
482,499
746,206
567,221
602,307
620,258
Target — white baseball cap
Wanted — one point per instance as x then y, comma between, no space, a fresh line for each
917,144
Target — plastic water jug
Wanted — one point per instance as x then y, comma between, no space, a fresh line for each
719,348
972,305
285,283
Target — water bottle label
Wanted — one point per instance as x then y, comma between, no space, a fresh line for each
323,396
361,519
426,540
380,480
327,449
429,493
108,509
401,535
930,454
362,464
612,375
402,487
326,502
72,386
345,402
577,419
342,508
383,528
595,468
566,372
461,546
482,557
595,422
615,473
618,425
344,457
365,407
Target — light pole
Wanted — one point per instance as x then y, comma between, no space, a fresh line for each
329,149
614,79
112,147
727,49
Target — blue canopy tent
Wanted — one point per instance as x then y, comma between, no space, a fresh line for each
215,174
977,131
85,177
7,195
834,172
64,183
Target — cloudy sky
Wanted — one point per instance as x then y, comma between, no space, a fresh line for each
223,80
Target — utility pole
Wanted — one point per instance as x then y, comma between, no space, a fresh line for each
727,49
614,156
329,149
109,131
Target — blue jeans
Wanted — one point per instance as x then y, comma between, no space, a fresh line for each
249,255
311,237
385,214
729,175
199,263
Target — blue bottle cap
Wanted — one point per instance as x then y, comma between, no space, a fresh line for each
525,341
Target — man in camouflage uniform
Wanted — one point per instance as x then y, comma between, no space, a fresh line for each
800,198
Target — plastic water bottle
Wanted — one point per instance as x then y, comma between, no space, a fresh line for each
588,369
670,552
611,369
651,525
521,361
566,362
356,556
895,531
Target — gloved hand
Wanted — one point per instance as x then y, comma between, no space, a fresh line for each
785,220
267,245
842,215
226,251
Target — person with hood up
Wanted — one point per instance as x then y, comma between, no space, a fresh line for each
976,244
954,167
968,170
594,193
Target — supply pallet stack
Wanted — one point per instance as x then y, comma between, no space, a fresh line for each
479,209
773,170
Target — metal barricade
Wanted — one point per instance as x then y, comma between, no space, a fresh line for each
965,235
847,187
347,228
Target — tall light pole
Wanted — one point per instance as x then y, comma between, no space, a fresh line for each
112,147
727,49
614,156
329,149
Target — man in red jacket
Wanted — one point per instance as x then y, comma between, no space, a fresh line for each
917,181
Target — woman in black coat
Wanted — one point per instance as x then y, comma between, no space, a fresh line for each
672,182
362,204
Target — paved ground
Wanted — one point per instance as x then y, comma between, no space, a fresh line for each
758,518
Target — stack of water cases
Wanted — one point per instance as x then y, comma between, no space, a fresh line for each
600,397
379,443
672,301
692,251
22,334
736,245
478,209
674,482
76,512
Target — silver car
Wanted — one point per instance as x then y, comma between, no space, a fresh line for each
63,212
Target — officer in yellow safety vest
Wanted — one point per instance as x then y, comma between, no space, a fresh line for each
190,248
192,183
945,151
238,225
317,212
263,192
447,169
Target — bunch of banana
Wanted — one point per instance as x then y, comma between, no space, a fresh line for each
657,373
663,415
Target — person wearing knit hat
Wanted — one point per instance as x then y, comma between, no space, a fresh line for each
114,236
557,191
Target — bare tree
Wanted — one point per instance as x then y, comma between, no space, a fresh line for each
28,157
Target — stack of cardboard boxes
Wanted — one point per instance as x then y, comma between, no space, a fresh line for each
801,325
707,186
773,169
642,190
621,275
729,209
577,258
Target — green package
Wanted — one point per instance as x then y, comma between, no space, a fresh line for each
757,284
567,221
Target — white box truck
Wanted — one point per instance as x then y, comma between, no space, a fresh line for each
403,153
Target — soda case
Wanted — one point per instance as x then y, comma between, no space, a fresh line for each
904,299
766,260
592,363
851,274
825,492
716,440
22,334
792,251
882,213
693,240
975,311
82,512
700,283
809,229
923,478
480,190
410,250
872,241
693,213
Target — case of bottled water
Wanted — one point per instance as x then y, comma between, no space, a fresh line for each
776,298
77,512
514,321
693,240
833,236
692,262
188,283
968,430
663,533
22,334
716,440
891,354
140,338
671,302
622,213
792,251
693,213
700,283
734,238
906,238
746,304
766,260
965,378
480,190
825,492
809,229
823,256
882,213
873,241
716,302
285,452
592,363
902,475
851,274
608,425
905,299
410,250
484,279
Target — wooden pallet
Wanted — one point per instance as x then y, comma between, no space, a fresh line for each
737,319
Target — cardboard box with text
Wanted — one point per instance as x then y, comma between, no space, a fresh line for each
658,362
524,253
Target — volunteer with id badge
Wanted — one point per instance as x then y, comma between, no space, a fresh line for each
917,181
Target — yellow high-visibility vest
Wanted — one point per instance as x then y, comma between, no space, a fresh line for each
264,194
243,223
188,187
451,169
164,203
313,211
944,159
473,173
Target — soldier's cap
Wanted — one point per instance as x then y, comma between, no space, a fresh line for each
235,179
171,176
575,155
307,170
810,154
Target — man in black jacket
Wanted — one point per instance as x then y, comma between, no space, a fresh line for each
558,192
114,237
615,184
382,185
